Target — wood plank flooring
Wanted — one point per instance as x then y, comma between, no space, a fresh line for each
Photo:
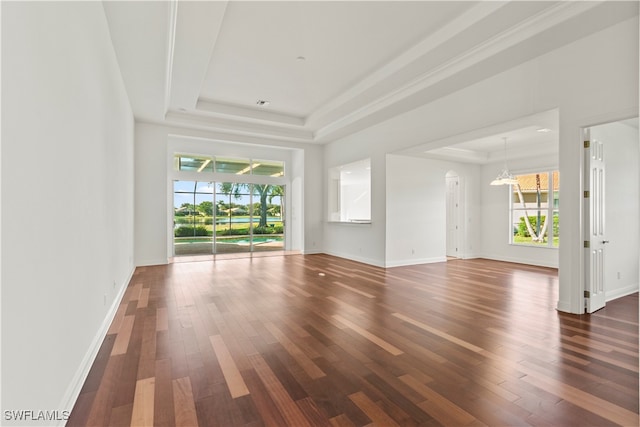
321,341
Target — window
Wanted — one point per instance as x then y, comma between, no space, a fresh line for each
350,192
238,166
267,167
192,163
535,209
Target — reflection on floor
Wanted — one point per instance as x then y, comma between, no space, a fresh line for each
237,255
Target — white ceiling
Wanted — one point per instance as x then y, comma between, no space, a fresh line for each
256,53
533,135
203,65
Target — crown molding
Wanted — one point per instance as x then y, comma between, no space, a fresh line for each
535,25
458,155
197,29
238,127
368,101
467,19
171,43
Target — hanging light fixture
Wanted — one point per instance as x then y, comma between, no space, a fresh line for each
505,177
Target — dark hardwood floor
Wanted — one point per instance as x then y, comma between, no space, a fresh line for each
321,341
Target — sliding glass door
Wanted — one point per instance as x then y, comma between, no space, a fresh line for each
227,217
192,217
268,225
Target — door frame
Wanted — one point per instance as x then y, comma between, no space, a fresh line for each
460,233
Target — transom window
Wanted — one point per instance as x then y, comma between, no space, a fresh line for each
237,166
535,209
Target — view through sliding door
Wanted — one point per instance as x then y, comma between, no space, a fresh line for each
227,217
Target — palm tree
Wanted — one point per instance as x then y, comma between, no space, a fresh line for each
278,190
230,189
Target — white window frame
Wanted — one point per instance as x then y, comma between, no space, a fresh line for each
550,210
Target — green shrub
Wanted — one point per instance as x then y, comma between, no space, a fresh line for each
533,220
522,226
234,232
188,231
271,229
262,230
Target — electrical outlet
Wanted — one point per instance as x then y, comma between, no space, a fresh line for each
104,299
619,275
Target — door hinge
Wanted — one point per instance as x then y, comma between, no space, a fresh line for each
586,194
587,294
587,144
587,244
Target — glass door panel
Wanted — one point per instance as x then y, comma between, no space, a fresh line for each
233,218
192,218
268,225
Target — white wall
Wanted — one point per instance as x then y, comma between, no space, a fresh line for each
67,198
590,81
360,242
495,215
622,207
155,145
416,209
151,201
313,208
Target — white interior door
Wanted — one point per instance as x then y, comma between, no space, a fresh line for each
453,216
595,222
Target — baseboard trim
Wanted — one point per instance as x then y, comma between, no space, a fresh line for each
75,387
619,293
520,261
311,251
148,262
564,307
402,263
356,258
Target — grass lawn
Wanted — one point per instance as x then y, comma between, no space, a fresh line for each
521,240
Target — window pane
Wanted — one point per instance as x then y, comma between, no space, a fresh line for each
268,167
556,189
229,165
267,221
535,202
232,217
556,228
532,191
184,186
192,218
530,227
193,163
